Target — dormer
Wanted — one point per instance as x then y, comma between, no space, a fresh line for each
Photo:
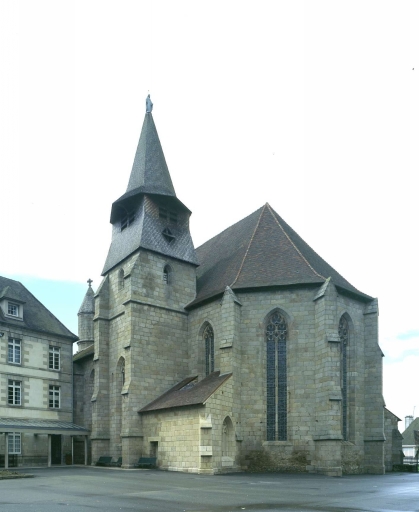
11,304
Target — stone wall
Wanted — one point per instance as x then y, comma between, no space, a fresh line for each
177,434
196,439
140,345
36,376
313,367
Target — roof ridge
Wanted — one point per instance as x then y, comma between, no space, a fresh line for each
248,247
292,243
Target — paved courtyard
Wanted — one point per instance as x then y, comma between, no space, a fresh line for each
80,489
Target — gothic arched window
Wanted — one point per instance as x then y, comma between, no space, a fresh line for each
208,336
276,378
344,340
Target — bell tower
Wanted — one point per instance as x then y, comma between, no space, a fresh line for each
140,317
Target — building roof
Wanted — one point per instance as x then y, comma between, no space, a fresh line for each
35,315
188,392
261,250
36,426
391,413
409,433
150,174
150,191
89,351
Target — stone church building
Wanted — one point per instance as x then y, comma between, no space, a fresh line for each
249,352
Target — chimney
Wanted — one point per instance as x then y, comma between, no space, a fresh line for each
407,421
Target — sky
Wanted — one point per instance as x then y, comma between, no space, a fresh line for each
311,106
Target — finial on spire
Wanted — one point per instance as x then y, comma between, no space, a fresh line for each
89,281
148,105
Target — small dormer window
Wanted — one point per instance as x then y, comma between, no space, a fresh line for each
12,309
168,235
168,215
127,220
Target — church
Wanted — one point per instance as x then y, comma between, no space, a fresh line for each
248,353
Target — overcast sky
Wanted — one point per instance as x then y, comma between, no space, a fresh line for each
310,106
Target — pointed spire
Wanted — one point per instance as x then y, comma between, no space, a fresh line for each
86,314
150,173
150,190
88,304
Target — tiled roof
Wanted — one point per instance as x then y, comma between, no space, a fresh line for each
35,315
409,433
15,424
261,250
187,392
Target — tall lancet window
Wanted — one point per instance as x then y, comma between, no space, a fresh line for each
276,378
209,349
121,279
123,372
344,340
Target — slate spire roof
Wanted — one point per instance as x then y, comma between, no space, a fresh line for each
261,250
88,304
149,174
149,208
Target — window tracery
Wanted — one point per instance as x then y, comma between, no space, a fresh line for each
276,378
344,340
208,336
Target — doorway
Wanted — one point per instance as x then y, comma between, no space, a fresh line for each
55,449
154,449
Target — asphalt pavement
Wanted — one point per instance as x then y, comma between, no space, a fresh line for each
87,489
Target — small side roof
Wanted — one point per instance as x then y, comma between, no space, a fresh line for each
35,315
89,351
392,413
35,426
188,392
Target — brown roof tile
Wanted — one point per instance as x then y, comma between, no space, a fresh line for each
259,251
188,392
